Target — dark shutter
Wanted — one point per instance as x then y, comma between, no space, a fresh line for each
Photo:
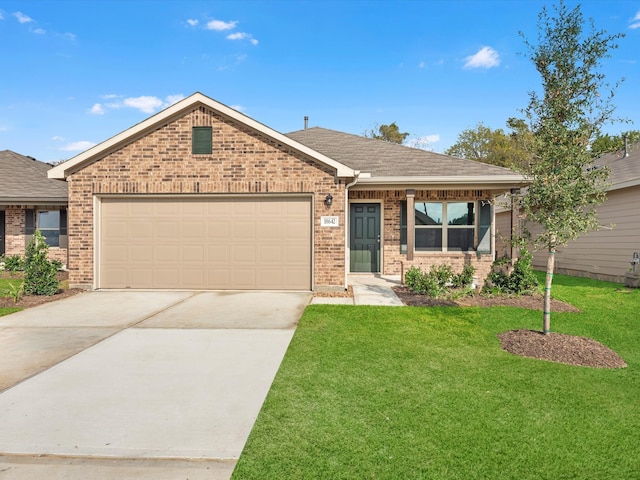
29,222
202,140
484,227
29,225
63,221
64,242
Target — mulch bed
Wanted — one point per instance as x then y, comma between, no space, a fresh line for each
27,301
531,302
554,347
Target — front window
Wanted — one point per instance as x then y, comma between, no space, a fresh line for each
48,222
448,226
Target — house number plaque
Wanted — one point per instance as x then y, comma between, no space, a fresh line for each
329,222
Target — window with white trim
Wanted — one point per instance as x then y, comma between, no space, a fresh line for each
448,227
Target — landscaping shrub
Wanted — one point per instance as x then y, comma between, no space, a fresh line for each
439,281
14,263
40,274
521,281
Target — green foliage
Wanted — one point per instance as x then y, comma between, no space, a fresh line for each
40,274
485,145
565,118
613,143
57,264
521,281
15,291
439,280
388,133
14,263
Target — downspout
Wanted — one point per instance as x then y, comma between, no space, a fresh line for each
347,256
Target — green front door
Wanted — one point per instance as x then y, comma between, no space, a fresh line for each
365,237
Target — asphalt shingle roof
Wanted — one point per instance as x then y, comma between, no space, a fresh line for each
384,159
24,180
623,169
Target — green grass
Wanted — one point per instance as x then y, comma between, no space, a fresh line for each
384,392
5,284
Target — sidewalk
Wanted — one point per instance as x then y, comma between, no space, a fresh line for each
368,289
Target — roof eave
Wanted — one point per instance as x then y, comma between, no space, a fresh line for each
63,170
450,182
34,200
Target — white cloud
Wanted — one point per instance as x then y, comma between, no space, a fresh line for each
97,109
193,22
220,26
39,31
77,146
242,36
1,16
421,65
22,18
486,57
635,21
57,138
171,99
239,108
4,128
145,103
424,143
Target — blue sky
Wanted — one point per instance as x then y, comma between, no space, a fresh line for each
75,73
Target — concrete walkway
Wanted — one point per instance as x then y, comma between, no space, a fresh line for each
368,289
162,385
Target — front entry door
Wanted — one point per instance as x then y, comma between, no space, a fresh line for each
365,237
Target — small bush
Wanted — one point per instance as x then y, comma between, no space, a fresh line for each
520,281
14,291
57,264
40,274
439,281
14,263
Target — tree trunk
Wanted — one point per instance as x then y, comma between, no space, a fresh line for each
546,315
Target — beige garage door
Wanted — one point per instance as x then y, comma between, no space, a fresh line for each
205,243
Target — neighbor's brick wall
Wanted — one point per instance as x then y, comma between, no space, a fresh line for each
15,240
394,262
242,161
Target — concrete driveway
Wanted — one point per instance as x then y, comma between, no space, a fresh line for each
122,384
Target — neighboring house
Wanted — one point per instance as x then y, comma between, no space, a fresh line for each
29,200
605,254
200,196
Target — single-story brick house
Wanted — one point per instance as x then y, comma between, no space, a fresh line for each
200,196
604,254
29,200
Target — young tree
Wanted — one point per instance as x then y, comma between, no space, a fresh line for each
388,133
564,119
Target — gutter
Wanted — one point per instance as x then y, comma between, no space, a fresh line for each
347,256
446,180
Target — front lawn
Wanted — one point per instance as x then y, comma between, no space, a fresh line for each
6,284
411,392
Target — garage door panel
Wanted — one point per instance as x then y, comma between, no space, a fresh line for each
212,243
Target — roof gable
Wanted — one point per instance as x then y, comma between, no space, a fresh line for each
24,180
176,110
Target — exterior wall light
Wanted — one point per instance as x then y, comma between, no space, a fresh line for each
328,200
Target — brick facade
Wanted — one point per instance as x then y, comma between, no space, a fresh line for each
393,261
15,238
243,161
